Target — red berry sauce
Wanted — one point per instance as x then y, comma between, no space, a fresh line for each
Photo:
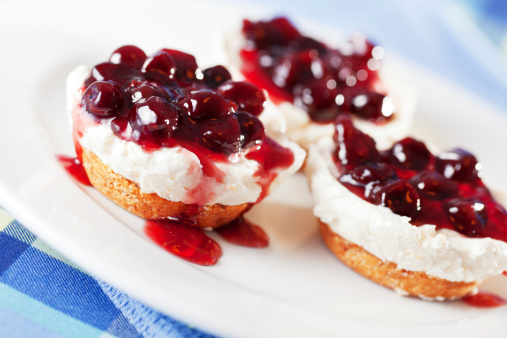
321,80
445,189
184,240
242,232
75,168
484,300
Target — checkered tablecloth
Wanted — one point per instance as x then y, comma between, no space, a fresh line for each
43,294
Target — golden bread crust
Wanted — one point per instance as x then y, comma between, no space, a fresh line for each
414,283
127,195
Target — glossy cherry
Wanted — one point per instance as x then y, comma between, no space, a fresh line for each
248,97
400,197
161,62
468,215
458,164
353,147
155,116
128,55
409,154
103,99
215,76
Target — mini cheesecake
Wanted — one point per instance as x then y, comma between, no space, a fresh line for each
421,224
164,139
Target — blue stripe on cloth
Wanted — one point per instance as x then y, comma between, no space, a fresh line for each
10,250
148,322
61,287
44,315
16,230
20,326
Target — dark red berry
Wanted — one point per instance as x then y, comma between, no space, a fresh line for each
186,66
434,185
215,76
221,135
352,146
400,197
103,99
298,68
206,103
248,97
107,71
459,165
252,129
140,91
468,215
306,43
265,34
160,62
368,104
156,116
318,100
409,154
129,55
364,174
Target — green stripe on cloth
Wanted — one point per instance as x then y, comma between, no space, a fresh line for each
5,219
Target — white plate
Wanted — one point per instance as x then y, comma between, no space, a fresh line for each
293,288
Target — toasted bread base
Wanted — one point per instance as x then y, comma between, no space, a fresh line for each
388,274
127,195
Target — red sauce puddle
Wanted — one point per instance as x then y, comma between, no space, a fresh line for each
242,232
75,168
484,300
184,241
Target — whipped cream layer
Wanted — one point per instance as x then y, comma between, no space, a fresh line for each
176,173
441,253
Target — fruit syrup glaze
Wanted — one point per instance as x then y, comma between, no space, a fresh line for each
322,81
165,100
445,190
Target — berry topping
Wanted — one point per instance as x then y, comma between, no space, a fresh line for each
103,99
222,135
252,130
107,71
458,164
468,215
128,55
353,147
206,103
433,185
186,66
154,117
400,197
163,100
321,80
140,91
215,76
444,190
409,154
248,97
368,104
160,62
319,100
